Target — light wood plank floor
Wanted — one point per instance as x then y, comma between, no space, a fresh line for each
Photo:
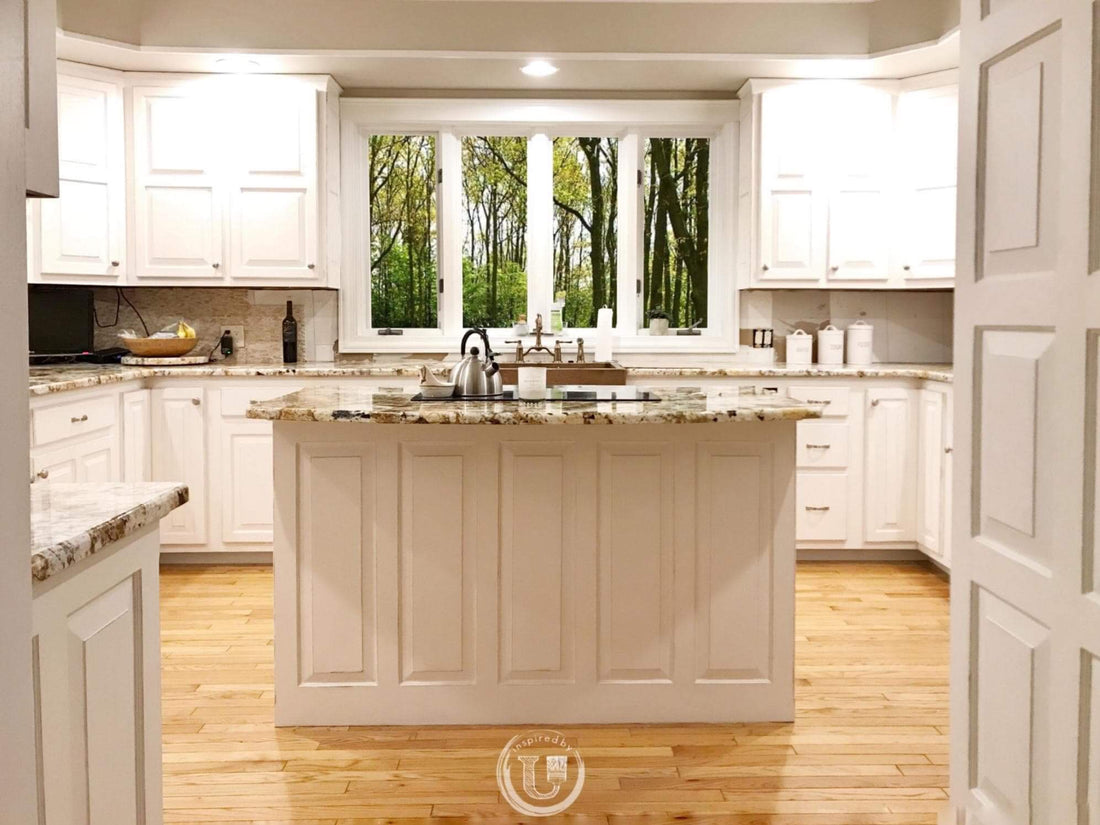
869,746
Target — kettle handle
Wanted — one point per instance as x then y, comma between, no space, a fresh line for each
466,337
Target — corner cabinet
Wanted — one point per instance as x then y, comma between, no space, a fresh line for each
196,180
848,184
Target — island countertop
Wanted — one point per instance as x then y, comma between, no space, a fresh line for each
70,522
679,405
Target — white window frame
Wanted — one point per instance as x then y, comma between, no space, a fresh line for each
631,121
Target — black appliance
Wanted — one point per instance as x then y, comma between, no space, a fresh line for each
62,321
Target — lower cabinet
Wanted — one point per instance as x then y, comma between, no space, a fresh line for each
934,473
179,454
890,466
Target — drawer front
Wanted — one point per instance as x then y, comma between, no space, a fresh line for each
835,397
73,419
237,400
822,507
822,445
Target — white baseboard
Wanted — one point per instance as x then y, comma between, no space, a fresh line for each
861,554
262,557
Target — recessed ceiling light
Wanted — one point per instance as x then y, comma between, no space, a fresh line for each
539,68
236,63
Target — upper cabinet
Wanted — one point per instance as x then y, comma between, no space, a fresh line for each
848,184
81,236
222,180
40,100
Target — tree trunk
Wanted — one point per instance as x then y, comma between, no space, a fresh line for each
685,243
591,149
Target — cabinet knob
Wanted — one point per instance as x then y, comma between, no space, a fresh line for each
949,450
764,267
874,402
311,266
79,419
215,265
907,267
114,263
834,268
196,401
43,474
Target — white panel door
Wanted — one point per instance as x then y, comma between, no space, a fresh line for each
859,138
179,151
890,455
247,492
1025,594
927,162
81,236
179,454
793,203
97,460
55,465
273,183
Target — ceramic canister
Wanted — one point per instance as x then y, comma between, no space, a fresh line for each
860,339
830,345
800,347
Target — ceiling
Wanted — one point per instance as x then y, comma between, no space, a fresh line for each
671,47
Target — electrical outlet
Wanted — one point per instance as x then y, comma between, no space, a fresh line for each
238,336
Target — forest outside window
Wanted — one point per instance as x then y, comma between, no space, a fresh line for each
473,213
403,268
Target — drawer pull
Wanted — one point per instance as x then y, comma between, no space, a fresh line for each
196,401
875,402
816,401
948,450
43,474
818,446
80,419
817,509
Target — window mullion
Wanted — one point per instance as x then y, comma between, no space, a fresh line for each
540,227
451,230
630,235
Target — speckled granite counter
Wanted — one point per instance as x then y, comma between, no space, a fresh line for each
70,522
65,377
681,405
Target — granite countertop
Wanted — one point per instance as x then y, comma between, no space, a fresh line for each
65,377
679,405
70,522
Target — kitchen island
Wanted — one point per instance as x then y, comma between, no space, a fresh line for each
502,562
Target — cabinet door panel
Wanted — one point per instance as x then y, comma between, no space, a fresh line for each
96,460
136,424
81,235
859,235
890,458
56,465
247,498
178,197
274,218
179,454
930,522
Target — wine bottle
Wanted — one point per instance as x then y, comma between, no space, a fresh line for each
290,336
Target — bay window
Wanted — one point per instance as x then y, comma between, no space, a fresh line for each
462,213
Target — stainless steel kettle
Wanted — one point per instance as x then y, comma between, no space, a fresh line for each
473,376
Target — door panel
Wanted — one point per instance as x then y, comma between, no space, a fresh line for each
1025,619
890,458
179,454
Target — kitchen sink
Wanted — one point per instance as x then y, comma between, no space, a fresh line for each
602,373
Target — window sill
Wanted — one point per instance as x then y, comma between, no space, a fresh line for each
639,344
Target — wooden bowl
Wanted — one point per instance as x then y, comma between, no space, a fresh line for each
159,347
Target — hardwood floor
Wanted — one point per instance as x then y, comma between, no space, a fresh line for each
869,746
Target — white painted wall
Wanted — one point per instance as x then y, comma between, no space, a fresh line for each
17,773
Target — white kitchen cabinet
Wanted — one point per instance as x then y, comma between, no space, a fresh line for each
231,180
848,184
934,473
136,435
273,182
793,201
40,103
179,187
928,124
94,459
179,454
81,236
890,468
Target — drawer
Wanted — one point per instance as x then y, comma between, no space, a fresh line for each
237,400
822,444
822,508
835,397
73,419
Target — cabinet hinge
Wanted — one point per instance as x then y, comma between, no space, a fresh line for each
440,286
639,177
439,176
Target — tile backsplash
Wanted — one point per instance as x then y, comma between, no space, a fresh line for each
910,326
258,312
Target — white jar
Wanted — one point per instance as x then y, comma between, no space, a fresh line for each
830,345
860,341
800,347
